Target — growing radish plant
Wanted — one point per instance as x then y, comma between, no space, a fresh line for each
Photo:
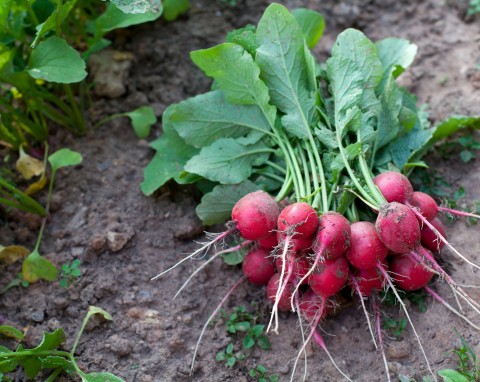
309,164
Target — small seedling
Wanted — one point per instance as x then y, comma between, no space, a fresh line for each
47,356
469,364
255,336
229,357
395,326
259,373
70,272
239,320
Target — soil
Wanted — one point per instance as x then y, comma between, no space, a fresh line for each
124,238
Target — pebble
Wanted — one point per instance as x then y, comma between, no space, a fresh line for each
118,240
60,303
398,350
37,316
120,346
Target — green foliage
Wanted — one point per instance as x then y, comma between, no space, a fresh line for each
43,48
47,355
259,373
69,272
468,364
474,8
229,357
396,326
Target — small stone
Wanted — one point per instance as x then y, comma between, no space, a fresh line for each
109,73
398,350
60,303
120,346
392,366
134,313
97,243
144,296
284,369
117,240
53,324
37,316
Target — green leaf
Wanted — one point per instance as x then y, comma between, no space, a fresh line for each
204,119
229,348
96,310
231,361
248,342
216,206
138,6
405,148
10,331
101,377
51,22
466,156
274,378
76,273
326,137
450,375
54,60
286,66
454,123
220,356
242,326
54,362
264,343
64,158
51,341
346,86
391,100
142,120
262,369
114,18
226,161
396,55
237,75
253,373
31,366
245,37
36,267
234,258
174,8
169,161
257,330
355,46
312,24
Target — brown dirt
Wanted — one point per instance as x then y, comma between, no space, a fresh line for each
124,238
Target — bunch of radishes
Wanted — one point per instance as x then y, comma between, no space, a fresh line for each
305,259
322,137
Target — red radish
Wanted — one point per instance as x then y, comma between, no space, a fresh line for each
272,289
269,242
397,227
425,203
301,217
297,243
333,236
300,265
429,209
329,276
255,215
310,304
409,274
430,239
258,267
366,249
367,280
394,186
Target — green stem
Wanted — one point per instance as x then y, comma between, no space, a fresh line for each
352,175
297,173
54,375
323,182
308,186
287,185
368,179
58,30
332,192
276,167
271,176
31,12
316,185
78,114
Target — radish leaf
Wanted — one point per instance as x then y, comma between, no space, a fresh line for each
226,161
312,24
